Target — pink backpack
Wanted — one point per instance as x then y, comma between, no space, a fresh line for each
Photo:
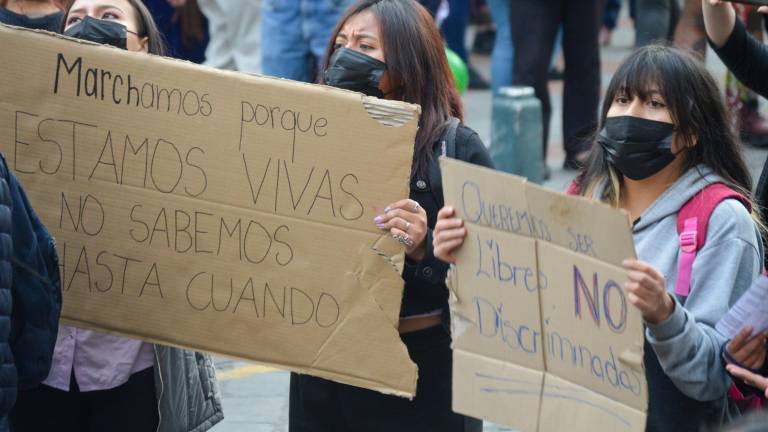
692,221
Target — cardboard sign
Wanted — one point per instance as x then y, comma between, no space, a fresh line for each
214,210
544,338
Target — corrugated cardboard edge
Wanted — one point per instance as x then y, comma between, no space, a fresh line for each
381,388
383,248
386,112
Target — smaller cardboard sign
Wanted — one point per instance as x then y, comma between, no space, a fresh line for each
544,337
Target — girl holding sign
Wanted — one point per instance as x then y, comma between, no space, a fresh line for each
392,49
102,382
665,137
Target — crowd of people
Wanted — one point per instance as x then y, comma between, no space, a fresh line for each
664,135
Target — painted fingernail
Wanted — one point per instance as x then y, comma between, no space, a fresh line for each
378,219
380,226
386,210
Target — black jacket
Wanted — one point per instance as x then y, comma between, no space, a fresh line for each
425,289
747,58
8,376
30,293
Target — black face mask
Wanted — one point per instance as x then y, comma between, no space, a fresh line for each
352,70
637,147
50,22
100,31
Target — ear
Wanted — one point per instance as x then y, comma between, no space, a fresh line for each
682,143
144,44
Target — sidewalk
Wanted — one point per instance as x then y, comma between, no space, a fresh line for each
256,398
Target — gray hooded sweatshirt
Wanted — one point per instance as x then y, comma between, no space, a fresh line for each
687,381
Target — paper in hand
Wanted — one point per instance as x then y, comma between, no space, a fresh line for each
751,309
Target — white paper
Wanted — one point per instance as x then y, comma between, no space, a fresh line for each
750,310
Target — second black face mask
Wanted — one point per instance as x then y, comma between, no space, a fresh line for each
50,22
352,70
637,147
100,31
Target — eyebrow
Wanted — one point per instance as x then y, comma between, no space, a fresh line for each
81,10
103,7
362,35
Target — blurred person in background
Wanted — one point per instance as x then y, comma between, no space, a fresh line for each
294,36
235,34
183,26
535,25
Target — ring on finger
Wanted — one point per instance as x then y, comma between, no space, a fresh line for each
407,226
404,240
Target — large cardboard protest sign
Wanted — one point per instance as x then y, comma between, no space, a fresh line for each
544,337
214,210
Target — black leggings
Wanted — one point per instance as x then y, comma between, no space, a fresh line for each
534,25
131,407
318,405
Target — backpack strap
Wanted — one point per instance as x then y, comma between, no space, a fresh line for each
446,148
448,141
575,187
692,222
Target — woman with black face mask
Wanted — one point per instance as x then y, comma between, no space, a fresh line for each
392,49
665,138
98,381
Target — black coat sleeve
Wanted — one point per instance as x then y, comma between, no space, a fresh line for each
744,388
746,57
36,291
469,148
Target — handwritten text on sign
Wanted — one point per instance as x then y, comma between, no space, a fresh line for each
214,210
538,301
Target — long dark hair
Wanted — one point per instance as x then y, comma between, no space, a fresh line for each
146,26
417,67
695,105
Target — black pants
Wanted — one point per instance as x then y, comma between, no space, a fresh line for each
131,407
656,21
318,405
534,27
